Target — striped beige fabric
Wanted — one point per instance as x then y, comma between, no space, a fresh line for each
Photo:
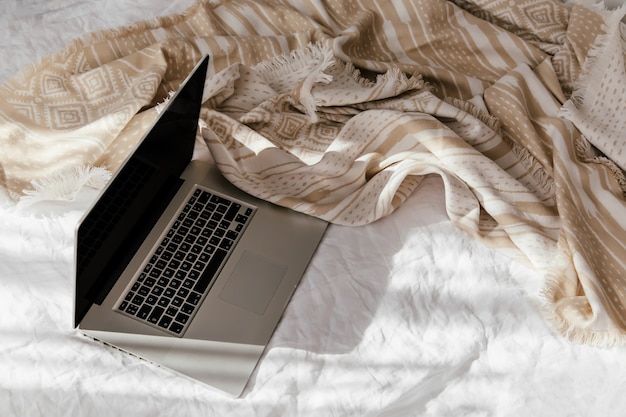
340,109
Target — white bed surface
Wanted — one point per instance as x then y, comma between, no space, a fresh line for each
406,316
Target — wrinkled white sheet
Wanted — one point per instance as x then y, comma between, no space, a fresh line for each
405,317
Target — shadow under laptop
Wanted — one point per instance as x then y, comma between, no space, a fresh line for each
343,298
348,278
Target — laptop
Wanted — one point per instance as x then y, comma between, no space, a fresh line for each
177,266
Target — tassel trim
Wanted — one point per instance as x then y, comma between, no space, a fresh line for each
64,184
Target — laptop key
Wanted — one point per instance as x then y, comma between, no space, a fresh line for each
165,322
226,244
232,211
187,308
194,298
210,271
182,318
156,314
204,197
177,327
144,311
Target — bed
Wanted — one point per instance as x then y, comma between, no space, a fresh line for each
414,307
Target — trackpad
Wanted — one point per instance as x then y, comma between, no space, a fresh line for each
253,282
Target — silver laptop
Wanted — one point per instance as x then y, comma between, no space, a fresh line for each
177,266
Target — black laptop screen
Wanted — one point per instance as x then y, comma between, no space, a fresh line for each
135,198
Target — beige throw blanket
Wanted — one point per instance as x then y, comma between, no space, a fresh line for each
516,105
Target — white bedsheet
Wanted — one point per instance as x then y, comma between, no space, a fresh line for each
404,317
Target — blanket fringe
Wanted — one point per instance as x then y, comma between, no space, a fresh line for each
317,64
587,153
64,184
551,304
313,60
491,121
599,338
585,81
312,57
584,149
542,179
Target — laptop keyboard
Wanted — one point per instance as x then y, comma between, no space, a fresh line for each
179,272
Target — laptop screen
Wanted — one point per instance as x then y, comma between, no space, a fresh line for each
125,212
